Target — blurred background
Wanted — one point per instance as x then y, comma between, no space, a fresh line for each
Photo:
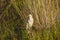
13,19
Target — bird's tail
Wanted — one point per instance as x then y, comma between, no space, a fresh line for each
27,26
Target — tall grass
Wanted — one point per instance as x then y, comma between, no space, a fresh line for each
46,14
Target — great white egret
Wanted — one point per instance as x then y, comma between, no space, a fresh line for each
29,22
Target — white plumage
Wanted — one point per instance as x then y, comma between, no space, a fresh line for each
29,22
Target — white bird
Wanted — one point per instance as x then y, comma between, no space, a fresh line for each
29,22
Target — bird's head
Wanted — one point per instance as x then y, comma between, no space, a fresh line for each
30,15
